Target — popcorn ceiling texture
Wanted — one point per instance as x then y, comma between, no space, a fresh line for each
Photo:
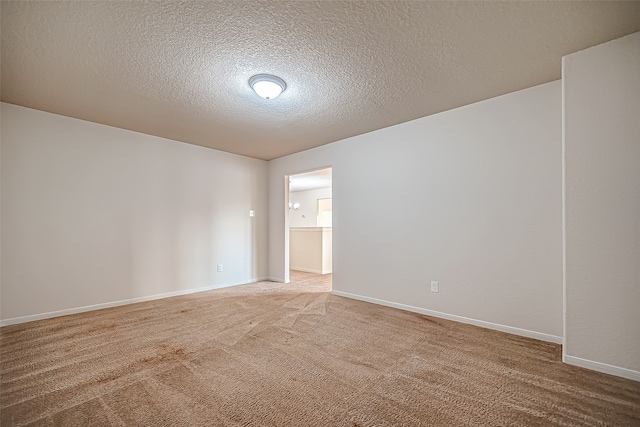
180,70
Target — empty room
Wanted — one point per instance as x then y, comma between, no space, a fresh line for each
319,213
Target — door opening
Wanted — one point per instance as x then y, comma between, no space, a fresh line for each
310,227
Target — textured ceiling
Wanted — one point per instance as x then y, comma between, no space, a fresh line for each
180,70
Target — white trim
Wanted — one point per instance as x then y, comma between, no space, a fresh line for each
40,316
276,279
602,367
564,208
503,328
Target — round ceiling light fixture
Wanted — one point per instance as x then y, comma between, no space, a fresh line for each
267,86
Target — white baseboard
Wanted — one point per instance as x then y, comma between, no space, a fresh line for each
503,328
48,315
602,367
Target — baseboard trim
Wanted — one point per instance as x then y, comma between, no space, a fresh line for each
495,326
602,367
65,312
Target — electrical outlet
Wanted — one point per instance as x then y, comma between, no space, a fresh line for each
219,268
252,213
435,287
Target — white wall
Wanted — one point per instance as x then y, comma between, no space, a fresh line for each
470,197
307,215
93,214
602,207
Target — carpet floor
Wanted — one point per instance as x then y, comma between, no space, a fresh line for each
268,354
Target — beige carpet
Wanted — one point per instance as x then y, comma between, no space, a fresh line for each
292,355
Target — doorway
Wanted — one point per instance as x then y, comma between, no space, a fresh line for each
310,225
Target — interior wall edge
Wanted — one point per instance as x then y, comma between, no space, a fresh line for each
601,153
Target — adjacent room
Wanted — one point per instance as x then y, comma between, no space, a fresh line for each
345,213
310,222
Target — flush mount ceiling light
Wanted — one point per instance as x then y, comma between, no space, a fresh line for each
267,86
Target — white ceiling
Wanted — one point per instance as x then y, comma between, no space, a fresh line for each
180,70
310,180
